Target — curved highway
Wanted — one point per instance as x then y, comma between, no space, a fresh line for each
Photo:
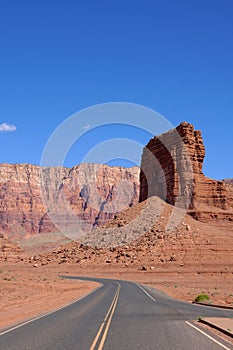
118,315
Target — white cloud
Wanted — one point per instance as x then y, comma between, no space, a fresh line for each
4,127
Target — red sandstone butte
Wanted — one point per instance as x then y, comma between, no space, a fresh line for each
171,168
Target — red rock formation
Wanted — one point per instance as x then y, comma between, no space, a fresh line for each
8,250
228,181
93,192
171,168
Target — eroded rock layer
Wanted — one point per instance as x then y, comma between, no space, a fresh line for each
8,250
171,168
30,196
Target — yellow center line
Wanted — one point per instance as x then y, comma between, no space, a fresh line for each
108,324
108,317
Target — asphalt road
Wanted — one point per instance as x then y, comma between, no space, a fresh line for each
118,315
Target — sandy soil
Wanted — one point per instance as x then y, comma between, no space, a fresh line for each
26,292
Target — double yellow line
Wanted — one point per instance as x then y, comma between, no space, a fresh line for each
102,334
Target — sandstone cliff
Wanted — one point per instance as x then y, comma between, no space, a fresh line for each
93,192
228,181
171,168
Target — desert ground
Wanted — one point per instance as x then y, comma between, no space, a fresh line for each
198,260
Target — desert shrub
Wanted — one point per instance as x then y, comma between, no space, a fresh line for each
201,297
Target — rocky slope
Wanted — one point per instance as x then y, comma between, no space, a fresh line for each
30,196
192,244
171,168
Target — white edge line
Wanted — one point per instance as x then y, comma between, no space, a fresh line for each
207,335
50,312
139,286
188,323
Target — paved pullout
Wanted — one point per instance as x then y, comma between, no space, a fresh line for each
118,315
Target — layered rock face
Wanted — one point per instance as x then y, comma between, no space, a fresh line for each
8,250
171,168
30,196
228,181
40,200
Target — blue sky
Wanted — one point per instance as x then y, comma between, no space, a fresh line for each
58,57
